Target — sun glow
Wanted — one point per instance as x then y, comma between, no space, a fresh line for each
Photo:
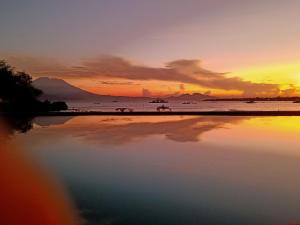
283,74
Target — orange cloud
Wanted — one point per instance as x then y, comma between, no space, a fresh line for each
183,71
291,91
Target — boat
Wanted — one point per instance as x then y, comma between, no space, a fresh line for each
186,103
163,108
250,102
124,109
158,100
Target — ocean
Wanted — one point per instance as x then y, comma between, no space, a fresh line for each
192,106
172,170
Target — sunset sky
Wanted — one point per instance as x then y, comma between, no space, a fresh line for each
157,47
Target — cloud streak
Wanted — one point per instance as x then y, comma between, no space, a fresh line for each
183,71
118,83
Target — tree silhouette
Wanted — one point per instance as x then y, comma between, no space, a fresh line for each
17,94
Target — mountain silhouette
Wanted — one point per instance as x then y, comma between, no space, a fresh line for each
59,90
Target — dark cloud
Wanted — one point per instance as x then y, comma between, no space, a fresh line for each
210,79
207,93
183,71
118,83
181,87
146,93
37,66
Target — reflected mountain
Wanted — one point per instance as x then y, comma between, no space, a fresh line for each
54,120
116,131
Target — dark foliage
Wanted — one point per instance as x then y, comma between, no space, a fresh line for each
56,106
17,94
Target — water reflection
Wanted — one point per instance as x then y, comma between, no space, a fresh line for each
174,170
54,120
16,123
116,131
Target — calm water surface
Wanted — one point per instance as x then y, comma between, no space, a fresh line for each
173,170
193,106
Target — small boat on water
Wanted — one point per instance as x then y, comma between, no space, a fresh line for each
115,101
250,102
186,103
159,100
163,108
124,109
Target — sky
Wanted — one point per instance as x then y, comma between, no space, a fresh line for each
157,47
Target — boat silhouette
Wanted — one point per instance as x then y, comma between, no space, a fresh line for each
158,100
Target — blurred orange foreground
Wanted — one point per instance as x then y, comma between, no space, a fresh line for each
28,196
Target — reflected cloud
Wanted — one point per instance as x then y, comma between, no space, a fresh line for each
116,131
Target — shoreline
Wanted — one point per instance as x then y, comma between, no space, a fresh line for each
144,113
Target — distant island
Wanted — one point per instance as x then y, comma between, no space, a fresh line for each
18,95
257,99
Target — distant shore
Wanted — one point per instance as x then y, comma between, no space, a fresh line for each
256,99
174,113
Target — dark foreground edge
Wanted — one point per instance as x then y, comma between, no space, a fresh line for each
187,113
